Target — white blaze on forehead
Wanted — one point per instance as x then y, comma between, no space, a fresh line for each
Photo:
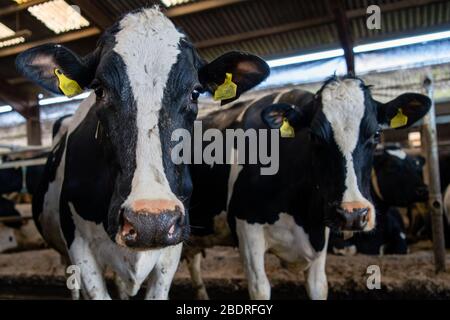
343,106
399,153
148,44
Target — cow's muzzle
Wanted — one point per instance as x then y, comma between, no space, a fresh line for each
353,216
152,224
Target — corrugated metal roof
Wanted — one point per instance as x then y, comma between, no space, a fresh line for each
268,28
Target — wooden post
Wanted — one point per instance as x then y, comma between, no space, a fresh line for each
345,34
429,134
34,135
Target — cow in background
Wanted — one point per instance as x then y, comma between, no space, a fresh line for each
10,181
19,184
420,228
111,197
323,180
397,181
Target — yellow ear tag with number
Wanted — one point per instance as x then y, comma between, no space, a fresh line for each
399,120
68,87
227,90
286,129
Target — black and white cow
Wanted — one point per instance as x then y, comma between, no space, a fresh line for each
323,179
111,197
420,216
397,181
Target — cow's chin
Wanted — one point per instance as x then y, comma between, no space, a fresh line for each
180,236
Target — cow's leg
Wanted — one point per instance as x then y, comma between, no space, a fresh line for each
316,278
252,246
195,269
121,287
92,282
162,275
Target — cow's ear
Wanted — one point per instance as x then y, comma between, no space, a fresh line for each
243,70
56,69
274,116
404,111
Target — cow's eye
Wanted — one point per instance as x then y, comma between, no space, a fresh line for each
195,95
99,92
376,137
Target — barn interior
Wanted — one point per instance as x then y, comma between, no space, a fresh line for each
304,43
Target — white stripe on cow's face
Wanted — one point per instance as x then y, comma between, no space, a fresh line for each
148,44
344,107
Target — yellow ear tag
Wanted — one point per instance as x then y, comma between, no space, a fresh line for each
69,87
286,129
399,120
227,90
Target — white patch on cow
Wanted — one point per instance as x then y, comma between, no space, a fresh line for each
343,106
148,44
163,273
289,241
316,278
235,169
81,113
399,153
253,246
291,244
62,130
49,217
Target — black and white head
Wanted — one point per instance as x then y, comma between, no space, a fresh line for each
342,125
399,177
147,77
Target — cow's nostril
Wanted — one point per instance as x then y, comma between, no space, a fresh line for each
128,230
171,231
365,216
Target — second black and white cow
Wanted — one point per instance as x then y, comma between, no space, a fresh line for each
323,179
111,197
397,181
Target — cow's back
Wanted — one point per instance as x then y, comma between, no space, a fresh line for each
47,197
214,185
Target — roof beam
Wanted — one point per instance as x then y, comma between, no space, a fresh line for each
344,33
19,7
91,11
308,23
264,32
199,7
22,33
66,37
18,104
388,7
